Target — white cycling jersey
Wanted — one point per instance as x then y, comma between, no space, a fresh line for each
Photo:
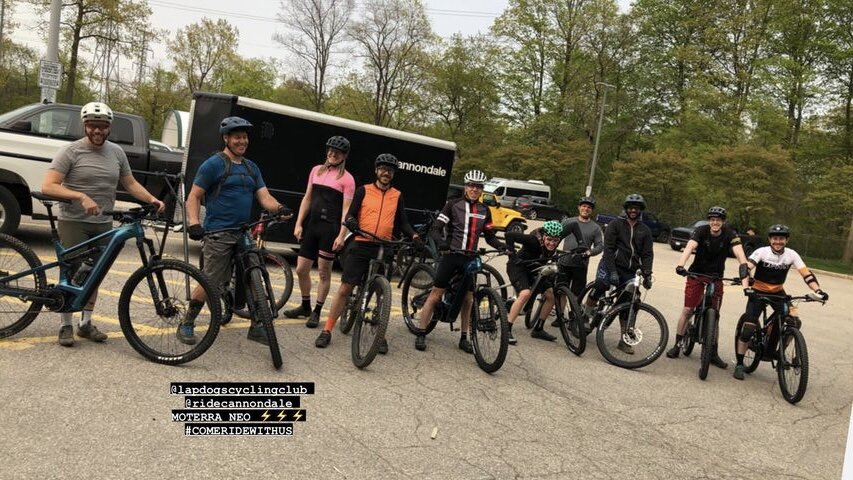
771,268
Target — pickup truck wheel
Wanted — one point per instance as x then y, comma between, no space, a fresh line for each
10,211
663,237
532,214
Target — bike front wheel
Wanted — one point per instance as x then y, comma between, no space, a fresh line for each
370,324
350,312
16,314
416,288
793,366
489,276
709,344
632,335
281,281
570,318
263,313
489,329
153,304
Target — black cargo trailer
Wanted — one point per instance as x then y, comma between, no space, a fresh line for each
287,142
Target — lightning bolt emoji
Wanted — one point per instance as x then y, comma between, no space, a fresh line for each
266,415
281,416
297,415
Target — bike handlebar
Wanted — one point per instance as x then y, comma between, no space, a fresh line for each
382,240
267,218
809,297
733,280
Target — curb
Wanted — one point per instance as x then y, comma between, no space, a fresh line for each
832,274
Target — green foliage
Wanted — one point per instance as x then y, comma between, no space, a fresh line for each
202,51
660,176
831,196
250,77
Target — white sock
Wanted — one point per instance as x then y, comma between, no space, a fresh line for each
67,319
86,318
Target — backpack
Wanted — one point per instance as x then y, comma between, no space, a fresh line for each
214,192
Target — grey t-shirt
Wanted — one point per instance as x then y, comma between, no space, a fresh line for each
592,237
94,171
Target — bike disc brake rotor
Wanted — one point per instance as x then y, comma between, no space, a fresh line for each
171,307
633,337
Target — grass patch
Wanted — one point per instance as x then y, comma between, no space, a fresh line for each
836,266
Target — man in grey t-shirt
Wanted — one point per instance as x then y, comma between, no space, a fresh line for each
592,237
87,172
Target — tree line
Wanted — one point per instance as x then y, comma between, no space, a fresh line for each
742,103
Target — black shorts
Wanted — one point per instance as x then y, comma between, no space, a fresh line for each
523,279
318,237
448,266
576,277
357,261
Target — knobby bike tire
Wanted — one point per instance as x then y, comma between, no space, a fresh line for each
570,319
350,312
793,369
277,267
689,340
612,321
25,259
491,329
154,277
752,356
532,314
416,287
371,324
709,343
582,301
263,313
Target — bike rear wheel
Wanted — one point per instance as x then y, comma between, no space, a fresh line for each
793,366
709,344
416,288
350,312
370,325
532,314
17,314
689,340
263,313
154,302
489,329
647,340
570,318
281,281
752,356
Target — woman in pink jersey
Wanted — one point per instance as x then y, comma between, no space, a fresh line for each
318,226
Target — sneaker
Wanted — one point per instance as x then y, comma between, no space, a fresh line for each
258,333
383,346
420,342
542,335
512,339
297,312
324,339
66,335
185,334
625,348
738,372
719,362
673,352
313,319
465,345
91,332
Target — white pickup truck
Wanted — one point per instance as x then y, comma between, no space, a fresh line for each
31,135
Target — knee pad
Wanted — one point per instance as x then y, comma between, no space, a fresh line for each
747,329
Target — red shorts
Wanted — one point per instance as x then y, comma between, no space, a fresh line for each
694,290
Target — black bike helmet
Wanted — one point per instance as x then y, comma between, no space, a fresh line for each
386,159
234,124
634,199
719,212
778,230
338,143
587,200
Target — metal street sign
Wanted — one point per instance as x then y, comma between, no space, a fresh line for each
50,74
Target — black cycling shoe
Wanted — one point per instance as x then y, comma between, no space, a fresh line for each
313,320
542,335
258,333
738,372
323,339
297,312
420,342
512,340
383,346
719,362
674,352
465,345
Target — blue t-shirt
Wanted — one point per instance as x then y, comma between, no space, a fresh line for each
233,205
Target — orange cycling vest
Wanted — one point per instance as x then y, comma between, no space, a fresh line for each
378,212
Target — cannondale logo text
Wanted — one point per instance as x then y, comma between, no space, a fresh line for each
428,169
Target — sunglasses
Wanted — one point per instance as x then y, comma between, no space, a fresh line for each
474,185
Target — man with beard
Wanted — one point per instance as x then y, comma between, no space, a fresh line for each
87,172
712,243
229,184
627,247
376,208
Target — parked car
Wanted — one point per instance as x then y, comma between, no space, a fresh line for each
534,207
679,237
503,219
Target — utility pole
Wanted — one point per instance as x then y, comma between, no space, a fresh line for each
597,137
49,86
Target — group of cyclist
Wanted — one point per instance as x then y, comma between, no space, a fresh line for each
87,171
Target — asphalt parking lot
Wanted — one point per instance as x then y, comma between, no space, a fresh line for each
103,411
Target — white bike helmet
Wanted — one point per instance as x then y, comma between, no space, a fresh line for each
96,111
475,176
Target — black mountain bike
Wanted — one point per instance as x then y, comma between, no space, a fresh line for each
703,324
489,327
786,352
280,273
631,333
253,288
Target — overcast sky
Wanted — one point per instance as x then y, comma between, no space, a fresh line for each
255,19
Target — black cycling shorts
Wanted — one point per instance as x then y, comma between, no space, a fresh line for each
318,237
449,265
357,261
523,279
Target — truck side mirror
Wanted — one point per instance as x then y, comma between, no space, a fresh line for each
22,126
